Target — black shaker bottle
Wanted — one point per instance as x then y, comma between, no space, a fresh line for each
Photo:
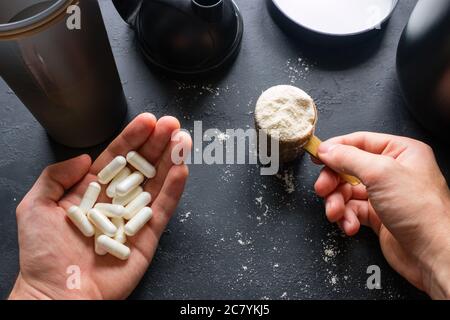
64,74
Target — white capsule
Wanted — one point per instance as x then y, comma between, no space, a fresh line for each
141,164
130,196
137,204
120,234
114,247
79,219
138,221
111,210
90,197
111,170
130,182
122,175
102,222
98,249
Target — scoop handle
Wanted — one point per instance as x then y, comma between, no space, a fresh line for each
312,148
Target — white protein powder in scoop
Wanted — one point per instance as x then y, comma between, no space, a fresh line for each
289,114
286,111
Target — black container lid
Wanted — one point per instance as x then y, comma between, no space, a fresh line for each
189,36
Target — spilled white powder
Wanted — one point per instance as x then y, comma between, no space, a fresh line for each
297,70
334,280
288,178
241,241
329,253
185,217
222,137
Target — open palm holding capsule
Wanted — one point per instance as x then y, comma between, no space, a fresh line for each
63,185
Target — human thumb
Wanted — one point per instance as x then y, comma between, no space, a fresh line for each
368,167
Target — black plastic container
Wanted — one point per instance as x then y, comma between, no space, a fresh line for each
423,65
185,36
67,78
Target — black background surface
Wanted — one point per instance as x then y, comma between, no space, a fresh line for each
237,234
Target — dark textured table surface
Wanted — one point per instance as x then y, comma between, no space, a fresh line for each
237,234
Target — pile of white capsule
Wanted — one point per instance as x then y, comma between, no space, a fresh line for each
111,223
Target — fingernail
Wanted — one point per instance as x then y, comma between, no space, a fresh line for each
326,147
